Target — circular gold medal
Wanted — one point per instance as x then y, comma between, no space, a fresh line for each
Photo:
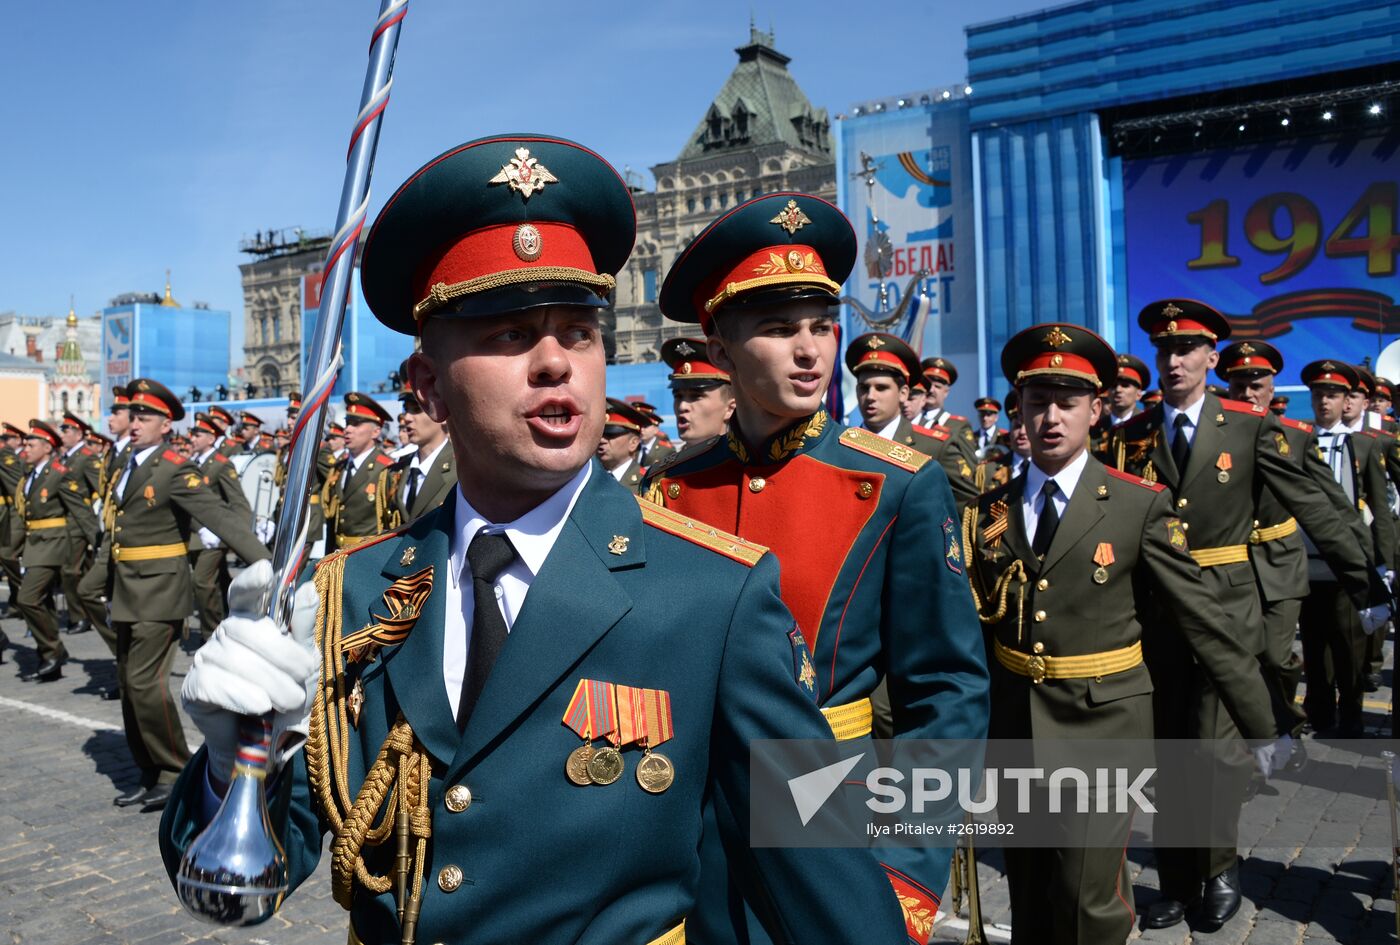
1100,575
1222,476
655,773
576,768
605,766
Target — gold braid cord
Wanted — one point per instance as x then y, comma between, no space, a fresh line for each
1001,589
394,796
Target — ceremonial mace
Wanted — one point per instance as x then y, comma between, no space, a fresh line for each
235,872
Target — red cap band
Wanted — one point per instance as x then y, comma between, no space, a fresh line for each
151,401
788,264
503,248
1071,365
882,360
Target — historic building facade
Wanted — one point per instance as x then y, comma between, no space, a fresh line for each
272,306
760,134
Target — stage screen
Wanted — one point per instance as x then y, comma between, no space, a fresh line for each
1295,242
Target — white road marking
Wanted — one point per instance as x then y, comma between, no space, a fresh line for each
58,715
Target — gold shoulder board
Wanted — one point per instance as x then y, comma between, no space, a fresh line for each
731,546
872,444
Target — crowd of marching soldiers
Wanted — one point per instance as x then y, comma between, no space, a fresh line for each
136,529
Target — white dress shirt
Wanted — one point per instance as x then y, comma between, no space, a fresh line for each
353,466
888,430
532,536
618,471
120,445
1193,420
1065,480
419,467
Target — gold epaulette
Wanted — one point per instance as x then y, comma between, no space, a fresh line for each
367,543
731,546
873,444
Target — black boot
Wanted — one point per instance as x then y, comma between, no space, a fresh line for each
1220,900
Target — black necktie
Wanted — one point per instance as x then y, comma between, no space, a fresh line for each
1181,443
414,476
1049,519
130,469
487,556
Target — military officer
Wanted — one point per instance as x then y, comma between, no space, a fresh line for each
762,281
655,445
84,610
157,499
11,472
93,585
881,364
1123,396
53,509
1334,637
422,479
1151,398
939,375
571,590
1376,390
617,447
1275,545
208,555
1215,457
231,443
355,508
1279,405
250,431
703,396
913,408
1084,545
987,434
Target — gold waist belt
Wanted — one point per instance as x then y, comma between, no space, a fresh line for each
37,523
1038,666
674,937
1273,532
350,541
176,549
1228,554
851,720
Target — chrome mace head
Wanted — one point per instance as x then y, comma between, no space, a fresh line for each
235,872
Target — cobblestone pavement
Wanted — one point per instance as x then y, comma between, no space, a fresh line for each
74,870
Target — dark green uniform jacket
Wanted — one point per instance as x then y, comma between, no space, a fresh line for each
56,493
1075,606
165,498
360,510
940,444
436,486
222,479
626,596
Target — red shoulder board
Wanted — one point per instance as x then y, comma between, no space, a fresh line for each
1296,424
86,450
59,467
220,457
937,431
1154,486
1373,434
172,456
953,416
1239,406
384,460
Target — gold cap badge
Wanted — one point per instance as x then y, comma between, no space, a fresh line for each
524,174
791,218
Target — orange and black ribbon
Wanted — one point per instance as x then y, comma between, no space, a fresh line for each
404,601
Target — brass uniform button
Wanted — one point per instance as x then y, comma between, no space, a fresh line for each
1186,526
458,799
866,490
757,484
1042,584
674,490
1038,647
1182,503
1039,617
449,878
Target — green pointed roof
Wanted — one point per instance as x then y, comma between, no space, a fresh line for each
760,104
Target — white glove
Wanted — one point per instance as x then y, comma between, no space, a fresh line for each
263,528
249,667
208,539
1373,618
1272,757
1389,577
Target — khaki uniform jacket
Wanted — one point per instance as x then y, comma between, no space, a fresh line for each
165,499
1368,451
1235,455
631,478
57,492
940,444
432,492
660,451
11,474
1118,548
222,479
364,510
1281,563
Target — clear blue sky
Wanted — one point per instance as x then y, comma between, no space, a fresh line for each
138,137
